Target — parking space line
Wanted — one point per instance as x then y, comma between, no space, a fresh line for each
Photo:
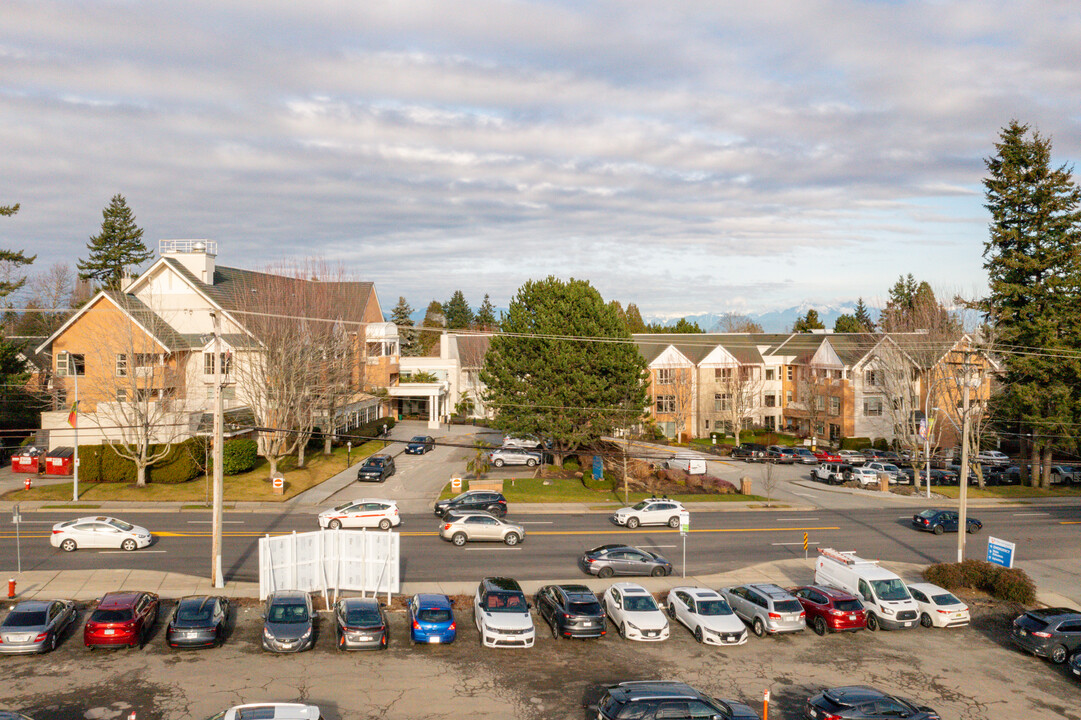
1026,514
798,542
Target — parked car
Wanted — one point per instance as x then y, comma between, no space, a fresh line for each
420,444
749,452
940,521
831,473
571,611
885,456
377,468
689,463
35,626
362,513
99,532
431,619
198,621
781,455
938,477
825,455
863,475
938,607
524,443
655,699
465,526
515,456
270,711
492,502
891,471
360,624
1052,633
1075,664
831,610
605,561
864,703
804,456
634,612
121,618
288,622
767,608
852,457
501,614
992,457
707,615
1065,474
651,511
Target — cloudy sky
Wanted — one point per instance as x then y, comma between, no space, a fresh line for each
686,156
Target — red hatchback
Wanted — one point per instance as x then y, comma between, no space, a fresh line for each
121,618
829,609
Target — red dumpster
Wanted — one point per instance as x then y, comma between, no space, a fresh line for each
60,461
27,461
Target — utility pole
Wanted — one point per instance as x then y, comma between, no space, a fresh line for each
962,511
626,451
219,436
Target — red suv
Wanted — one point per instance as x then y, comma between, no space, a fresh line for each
121,618
831,609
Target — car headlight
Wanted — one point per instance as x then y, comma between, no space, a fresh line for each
267,635
632,626
887,611
307,634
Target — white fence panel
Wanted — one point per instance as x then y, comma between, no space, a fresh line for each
330,560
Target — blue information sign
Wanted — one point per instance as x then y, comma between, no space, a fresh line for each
598,467
1000,552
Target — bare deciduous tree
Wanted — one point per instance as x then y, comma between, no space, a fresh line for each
51,292
737,394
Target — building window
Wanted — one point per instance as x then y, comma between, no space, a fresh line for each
720,402
835,374
769,373
872,378
70,364
375,349
707,424
771,422
121,395
666,403
664,376
227,393
915,374
722,373
820,403
225,360
872,407
121,366
771,401
788,397
820,429
791,372
835,406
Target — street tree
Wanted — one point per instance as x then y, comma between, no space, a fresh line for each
566,369
117,249
737,395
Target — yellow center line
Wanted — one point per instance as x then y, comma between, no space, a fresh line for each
1069,522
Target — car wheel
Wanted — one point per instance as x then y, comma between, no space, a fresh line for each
384,524
698,635
498,462
128,545
926,620
531,462
511,539
1058,655
623,630
819,626
759,627
673,522
50,642
632,523
938,530
335,524
605,572
497,511
672,611
972,529
459,539
657,572
555,629
68,545
872,622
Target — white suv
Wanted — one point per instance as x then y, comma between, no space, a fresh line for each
271,711
363,513
501,613
831,473
651,511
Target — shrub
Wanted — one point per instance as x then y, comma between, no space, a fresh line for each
571,464
182,463
855,443
239,455
881,444
1010,584
90,463
114,467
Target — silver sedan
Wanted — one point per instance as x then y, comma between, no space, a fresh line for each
35,626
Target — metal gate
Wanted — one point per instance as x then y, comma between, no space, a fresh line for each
330,560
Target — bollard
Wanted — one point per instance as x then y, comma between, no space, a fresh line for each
765,704
11,588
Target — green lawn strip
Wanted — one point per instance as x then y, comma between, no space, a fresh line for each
1008,491
533,490
252,486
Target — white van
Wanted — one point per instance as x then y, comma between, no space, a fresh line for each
889,604
692,464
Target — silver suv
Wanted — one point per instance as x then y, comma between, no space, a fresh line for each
767,608
467,526
514,456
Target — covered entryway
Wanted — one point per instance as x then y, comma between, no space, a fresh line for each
429,396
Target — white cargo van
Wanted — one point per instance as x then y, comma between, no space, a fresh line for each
692,464
889,604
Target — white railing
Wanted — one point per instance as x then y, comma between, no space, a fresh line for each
210,247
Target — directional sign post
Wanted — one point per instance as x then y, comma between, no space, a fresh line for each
17,518
1000,552
684,528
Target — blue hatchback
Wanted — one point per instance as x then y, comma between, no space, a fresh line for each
431,619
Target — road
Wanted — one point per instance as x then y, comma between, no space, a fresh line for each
718,541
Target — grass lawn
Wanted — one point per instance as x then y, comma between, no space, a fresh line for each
246,487
533,490
1009,491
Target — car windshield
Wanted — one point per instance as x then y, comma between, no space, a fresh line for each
945,599
362,616
787,606
194,612
25,619
713,607
506,602
120,524
374,462
848,605
640,506
890,589
584,608
418,439
889,468
110,616
287,614
639,603
434,615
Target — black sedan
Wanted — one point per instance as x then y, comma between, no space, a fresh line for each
361,624
608,560
571,611
486,500
420,444
198,621
940,521
377,468
864,703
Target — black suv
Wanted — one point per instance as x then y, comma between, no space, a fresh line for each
668,700
492,502
571,611
377,468
1053,633
856,702
749,452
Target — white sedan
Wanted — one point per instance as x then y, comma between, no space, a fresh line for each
938,607
363,513
634,612
707,615
99,532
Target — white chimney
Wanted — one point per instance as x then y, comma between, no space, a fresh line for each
195,255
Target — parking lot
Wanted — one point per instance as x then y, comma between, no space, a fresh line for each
971,673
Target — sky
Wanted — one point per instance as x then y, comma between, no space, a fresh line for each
688,157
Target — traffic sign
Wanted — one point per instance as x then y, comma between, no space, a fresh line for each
684,522
1000,552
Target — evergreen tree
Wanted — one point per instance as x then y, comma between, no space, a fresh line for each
14,258
117,248
567,391
485,319
436,321
457,312
682,326
847,324
863,317
808,322
635,324
407,335
913,306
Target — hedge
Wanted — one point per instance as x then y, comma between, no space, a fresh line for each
1010,584
101,463
374,428
855,443
239,455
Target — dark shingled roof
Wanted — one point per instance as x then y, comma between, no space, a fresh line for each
150,320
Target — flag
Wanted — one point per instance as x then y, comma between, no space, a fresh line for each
74,412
